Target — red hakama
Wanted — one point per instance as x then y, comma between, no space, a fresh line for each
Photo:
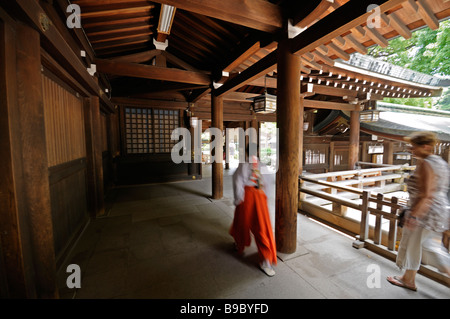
252,215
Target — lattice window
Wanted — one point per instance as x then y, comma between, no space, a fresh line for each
149,130
165,122
138,127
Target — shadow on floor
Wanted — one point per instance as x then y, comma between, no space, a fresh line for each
171,241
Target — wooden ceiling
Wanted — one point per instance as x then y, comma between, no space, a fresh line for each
231,45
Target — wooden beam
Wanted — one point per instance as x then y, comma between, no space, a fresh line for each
330,90
350,15
305,70
377,37
427,15
53,41
340,53
116,12
255,71
340,41
107,30
323,6
397,24
151,72
322,49
98,26
198,94
264,81
121,35
239,96
356,44
244,56
256,14
312,64
359,31
78,32
178,62
315,104
122,43
137,57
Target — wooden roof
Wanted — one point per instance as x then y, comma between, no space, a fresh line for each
396,121
232,45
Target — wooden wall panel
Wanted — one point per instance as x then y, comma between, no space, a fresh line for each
69,205
64,123
104,131
66,151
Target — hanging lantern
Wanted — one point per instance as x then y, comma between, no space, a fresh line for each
369,116
403,156
265,103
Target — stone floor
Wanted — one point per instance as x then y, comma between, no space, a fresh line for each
171,241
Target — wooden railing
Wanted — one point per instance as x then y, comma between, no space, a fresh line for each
361,202
343,195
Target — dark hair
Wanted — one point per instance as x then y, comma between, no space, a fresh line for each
422,138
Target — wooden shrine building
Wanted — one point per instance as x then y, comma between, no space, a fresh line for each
92,90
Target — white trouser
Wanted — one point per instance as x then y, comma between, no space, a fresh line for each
420,240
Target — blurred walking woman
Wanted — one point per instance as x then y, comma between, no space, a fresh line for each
251,184
427,216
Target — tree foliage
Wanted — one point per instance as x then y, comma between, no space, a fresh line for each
427,51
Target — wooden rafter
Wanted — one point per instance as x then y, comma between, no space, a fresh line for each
55,42
427,15
151,72
111,12
257,14
323,7
350,15
331,105
257,70
397,24
244,56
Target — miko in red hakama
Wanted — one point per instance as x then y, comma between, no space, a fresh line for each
252,213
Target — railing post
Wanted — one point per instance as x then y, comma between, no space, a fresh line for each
392,236
301,195
379,218
364,226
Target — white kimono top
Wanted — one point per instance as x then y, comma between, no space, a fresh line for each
251,174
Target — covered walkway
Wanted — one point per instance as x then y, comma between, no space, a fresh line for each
171,241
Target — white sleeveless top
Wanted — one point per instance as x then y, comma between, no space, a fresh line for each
438,217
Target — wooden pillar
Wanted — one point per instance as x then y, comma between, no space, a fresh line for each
388,152
288,122
217,165
301,196
15,252
300,138
94,158
255,124
227,151
354,140
26,218
114,143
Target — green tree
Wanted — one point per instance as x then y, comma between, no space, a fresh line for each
427,51
444,100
